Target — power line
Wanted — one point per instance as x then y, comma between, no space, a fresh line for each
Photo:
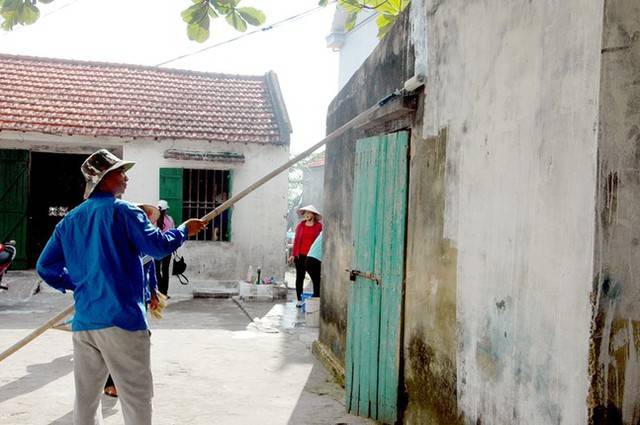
365,21
247,34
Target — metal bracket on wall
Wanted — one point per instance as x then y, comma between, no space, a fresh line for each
366,275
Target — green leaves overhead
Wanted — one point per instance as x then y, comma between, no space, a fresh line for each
388,12
198,17
18,12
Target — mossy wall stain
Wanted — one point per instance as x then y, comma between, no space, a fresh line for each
614,396
430,305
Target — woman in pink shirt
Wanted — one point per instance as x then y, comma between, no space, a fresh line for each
306,232
164,223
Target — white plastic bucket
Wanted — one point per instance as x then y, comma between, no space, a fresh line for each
312,312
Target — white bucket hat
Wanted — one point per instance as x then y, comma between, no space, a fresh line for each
163,205
152,212
98,165
311,209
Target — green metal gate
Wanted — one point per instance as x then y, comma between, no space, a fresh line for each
14,192
375,297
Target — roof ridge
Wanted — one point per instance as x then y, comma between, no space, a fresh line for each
180,71
69,97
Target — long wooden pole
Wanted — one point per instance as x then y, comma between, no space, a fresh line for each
360,119
36,333
355,122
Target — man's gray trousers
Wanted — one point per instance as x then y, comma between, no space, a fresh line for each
125,355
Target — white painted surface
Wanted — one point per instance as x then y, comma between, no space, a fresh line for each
358,43
517,88
258,221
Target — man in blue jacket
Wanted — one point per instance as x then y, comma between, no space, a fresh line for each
96,251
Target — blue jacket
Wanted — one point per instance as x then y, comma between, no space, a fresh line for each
150,278
96,251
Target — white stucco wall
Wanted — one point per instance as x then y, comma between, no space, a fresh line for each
358,43
516,85
258,221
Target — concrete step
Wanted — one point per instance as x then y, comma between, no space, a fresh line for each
213,293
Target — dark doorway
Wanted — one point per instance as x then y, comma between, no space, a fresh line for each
56,187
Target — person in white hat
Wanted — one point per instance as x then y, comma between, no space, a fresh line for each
165,223
96,251
306,233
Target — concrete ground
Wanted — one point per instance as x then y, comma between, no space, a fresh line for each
211,364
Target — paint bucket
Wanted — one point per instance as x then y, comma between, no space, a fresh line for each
305,296
312,312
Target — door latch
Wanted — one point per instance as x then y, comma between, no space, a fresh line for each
366,275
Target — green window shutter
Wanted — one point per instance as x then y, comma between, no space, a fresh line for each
230,210
14,192
171,191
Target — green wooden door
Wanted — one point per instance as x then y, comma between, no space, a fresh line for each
375,297
171,191
14,192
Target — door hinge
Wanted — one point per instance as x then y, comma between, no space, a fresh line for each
366,275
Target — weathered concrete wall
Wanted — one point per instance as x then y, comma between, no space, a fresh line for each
258,222
615,395
313,187
514,87
388,67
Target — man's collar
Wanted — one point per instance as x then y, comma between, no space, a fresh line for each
98,194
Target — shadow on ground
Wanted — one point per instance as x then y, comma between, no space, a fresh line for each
38,376
321,403
108,409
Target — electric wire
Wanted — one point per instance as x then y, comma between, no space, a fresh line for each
247,34
364,21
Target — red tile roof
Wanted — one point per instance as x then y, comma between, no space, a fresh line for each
317,161
65,97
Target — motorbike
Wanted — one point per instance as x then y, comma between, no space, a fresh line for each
7,255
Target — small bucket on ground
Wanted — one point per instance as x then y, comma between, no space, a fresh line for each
312,312
305,296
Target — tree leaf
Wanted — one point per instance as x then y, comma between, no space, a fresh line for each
323,3
10,20
195,13
11,6
29,14
221,7
351,6
385,23
212,12
235,20
199,31
388,8
45,1
350,22
224,7
252,15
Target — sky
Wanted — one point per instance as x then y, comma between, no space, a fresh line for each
149,32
